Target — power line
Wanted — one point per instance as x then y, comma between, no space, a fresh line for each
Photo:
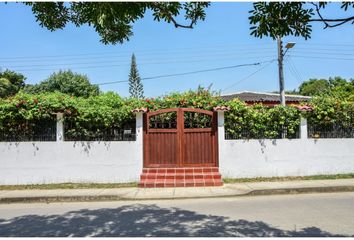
239,47
186,73
290,60
322,53
326,44
151,56
198,58
292,71
248,76
324,49
143,64
333,58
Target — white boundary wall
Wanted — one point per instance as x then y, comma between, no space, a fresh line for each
283,157
59,162
118,162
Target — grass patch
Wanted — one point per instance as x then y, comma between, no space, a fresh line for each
135,184
280,179
67,186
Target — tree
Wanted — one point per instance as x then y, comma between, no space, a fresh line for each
335,87
135,86
113,20
313,87
10,83
67,82
278,19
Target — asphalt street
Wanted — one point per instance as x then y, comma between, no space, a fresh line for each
330,214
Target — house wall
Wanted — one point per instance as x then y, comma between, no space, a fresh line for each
284,157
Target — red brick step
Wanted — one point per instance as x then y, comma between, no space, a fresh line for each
180,177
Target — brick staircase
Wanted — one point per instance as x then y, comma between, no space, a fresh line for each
180,177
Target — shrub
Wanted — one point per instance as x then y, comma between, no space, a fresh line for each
259,121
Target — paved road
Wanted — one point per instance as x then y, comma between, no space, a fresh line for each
289,215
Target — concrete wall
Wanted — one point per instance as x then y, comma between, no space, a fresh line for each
53,162
60,161
284,157
100,162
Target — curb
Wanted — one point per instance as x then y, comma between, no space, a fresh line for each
102,198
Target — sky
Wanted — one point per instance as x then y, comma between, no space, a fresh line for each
222,40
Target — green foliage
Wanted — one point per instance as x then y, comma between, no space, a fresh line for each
67,82
335,87
279,19
330,111
259,121
90,117
10,83
135,86
22,114
113,21
313,87
95,115
202,98
19,114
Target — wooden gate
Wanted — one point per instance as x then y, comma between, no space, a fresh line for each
180,137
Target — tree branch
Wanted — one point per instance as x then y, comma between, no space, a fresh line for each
325,21
171,18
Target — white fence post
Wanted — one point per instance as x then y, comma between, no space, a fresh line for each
221,128
139,135
303,128
60,127
139,129
221,134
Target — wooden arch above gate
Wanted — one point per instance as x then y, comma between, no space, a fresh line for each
180,137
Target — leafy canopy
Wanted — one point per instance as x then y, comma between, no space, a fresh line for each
10,83
336,87
113,21
279,19
68,82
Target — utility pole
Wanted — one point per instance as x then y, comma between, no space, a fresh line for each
281,72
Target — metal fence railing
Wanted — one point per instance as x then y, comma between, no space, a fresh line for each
244,134
330,131
44,130
99,133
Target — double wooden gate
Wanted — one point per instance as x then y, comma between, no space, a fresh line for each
180,137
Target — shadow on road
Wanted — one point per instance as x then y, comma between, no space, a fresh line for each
142,220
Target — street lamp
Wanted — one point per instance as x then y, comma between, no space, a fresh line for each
288,46
280,65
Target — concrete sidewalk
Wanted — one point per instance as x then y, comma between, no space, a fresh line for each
228,190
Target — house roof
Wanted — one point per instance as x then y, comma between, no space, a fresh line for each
263,97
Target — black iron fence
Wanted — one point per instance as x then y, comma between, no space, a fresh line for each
75,132
261,134
41,130
330,131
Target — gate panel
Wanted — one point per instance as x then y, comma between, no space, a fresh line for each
180,137
198,149
161,139
163,149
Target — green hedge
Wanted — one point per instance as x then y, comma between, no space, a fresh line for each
86,116
255,122
331,117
